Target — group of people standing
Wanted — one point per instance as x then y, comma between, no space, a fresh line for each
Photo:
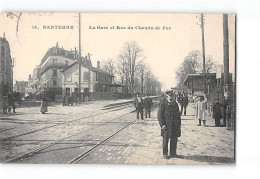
8,103
67,100
140,104
219,111
169,117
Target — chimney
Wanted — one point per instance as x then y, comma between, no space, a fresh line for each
98,64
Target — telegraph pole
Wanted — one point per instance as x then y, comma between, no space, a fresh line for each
201,19
226,49
79,61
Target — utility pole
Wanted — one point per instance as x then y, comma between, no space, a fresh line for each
228,97
201,23
79,61
226,49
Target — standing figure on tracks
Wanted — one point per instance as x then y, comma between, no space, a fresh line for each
169,118
44,104
184,104
148,102
139,105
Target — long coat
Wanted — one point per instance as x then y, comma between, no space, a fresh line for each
138,105
216,110
201,107
148,102
185,100
170,117
44,105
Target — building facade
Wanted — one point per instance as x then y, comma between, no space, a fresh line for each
6,69
48,73
93,79
21,87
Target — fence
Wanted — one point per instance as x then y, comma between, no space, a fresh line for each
90,96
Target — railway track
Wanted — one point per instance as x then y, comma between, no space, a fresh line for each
86,153
82,155
61,123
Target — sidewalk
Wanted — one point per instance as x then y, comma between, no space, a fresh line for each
141,143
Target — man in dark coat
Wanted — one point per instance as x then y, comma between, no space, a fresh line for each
179,97
170,122
217,115
139,105
184,103
148,102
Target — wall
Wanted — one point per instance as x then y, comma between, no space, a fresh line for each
72,78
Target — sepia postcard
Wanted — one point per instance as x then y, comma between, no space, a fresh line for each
117,88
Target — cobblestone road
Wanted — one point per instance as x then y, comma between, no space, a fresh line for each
140,143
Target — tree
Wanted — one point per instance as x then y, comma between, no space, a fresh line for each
109,66
131,54
134,72
210,65
193,64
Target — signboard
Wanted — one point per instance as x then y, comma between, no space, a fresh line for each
219,71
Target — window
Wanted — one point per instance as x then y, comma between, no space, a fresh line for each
54,82
2,65
2,51
54,72
54,61
86,76
76,90
86,90
97,77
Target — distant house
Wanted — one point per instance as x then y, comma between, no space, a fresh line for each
92,79
21,86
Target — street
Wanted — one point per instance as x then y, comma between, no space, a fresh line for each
91,129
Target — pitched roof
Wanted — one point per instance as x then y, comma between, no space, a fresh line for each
88,66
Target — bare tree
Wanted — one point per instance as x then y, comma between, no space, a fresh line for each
131,53
122,70
210,65
109,66
193,64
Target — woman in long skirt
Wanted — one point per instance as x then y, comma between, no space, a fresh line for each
44,104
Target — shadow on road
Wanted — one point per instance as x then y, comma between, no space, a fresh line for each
209,159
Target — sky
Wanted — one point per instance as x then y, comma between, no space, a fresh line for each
164,49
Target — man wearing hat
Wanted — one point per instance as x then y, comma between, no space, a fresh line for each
170,122
148,102
138,102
